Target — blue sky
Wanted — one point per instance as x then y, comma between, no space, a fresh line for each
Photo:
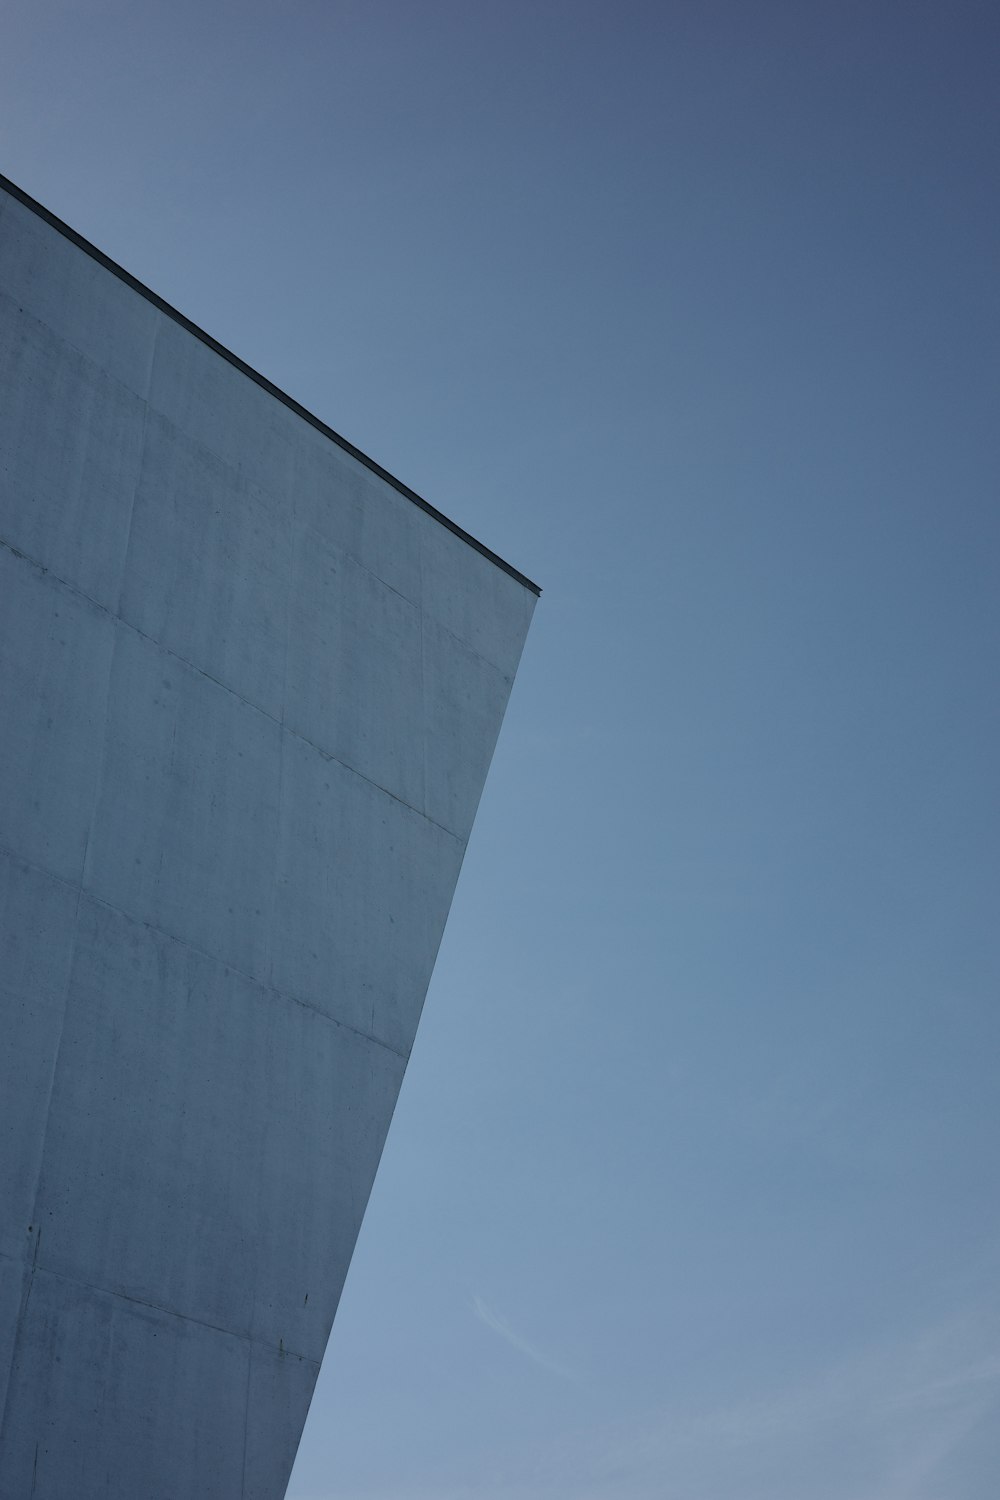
690,311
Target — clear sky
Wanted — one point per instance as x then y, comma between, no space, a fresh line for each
691,311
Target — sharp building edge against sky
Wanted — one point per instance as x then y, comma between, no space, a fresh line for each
250,687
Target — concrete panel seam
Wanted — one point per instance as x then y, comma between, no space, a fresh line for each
99,778
273,893
46,571
52,1087
74,588
15,1345
105,374
71,588
135,489
260,984
171,1312
266,988
31,864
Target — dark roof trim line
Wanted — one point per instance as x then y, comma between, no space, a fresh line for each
261,380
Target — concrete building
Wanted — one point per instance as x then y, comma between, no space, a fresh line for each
250,687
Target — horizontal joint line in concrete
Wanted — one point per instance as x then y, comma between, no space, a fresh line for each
72,588
268,989
261,380
261,984
171,1312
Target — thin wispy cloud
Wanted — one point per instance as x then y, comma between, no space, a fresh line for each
892,1420
908,1405
499,1325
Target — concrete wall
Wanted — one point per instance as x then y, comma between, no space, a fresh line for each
249,693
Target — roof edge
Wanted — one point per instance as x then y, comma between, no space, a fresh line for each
261,380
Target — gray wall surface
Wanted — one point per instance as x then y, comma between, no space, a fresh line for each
249,693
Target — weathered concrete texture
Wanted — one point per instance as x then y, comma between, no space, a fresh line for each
249,692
